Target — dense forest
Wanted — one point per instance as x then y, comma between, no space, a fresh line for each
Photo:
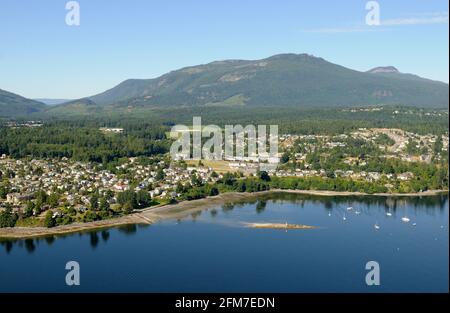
81,143
145,131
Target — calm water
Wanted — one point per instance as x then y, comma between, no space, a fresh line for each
212,252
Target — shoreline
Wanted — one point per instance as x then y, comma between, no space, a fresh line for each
357,193
179,210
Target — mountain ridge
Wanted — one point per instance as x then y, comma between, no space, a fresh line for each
283,79
384,69
12,104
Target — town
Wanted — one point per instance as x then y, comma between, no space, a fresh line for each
57,191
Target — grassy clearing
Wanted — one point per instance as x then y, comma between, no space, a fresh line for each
30,222
219,166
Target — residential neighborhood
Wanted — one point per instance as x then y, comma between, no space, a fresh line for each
302,156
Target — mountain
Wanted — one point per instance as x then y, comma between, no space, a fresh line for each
52,101
15,105
281,80
384,69
80,106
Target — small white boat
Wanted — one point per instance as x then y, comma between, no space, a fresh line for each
405,219
414,224
377,226
349,208
344,218
388,214
329,214
357,212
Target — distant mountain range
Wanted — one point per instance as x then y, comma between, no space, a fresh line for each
280,80
52,101
384,69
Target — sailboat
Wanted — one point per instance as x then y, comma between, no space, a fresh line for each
377,227
405,219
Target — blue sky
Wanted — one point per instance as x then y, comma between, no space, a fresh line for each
42,57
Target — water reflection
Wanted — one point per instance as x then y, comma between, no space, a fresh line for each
196,214
213,212
261,206
129,229
227,207
30,245
105,235
50,240
94,239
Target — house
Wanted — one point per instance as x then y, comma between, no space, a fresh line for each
16,198
111,130
405,176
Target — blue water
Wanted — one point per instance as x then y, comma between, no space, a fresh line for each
211,251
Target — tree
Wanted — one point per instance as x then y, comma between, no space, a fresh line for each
127,198
109,194
160,174
127,208
104,204
3,192
213,191
90,216
438,145
195,180
180,188
49,221
29,210
8,218
38,207
263,175
53,200
242,186
94,201
228,179
284,158
143,198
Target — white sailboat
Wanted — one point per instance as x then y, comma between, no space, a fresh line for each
405,219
